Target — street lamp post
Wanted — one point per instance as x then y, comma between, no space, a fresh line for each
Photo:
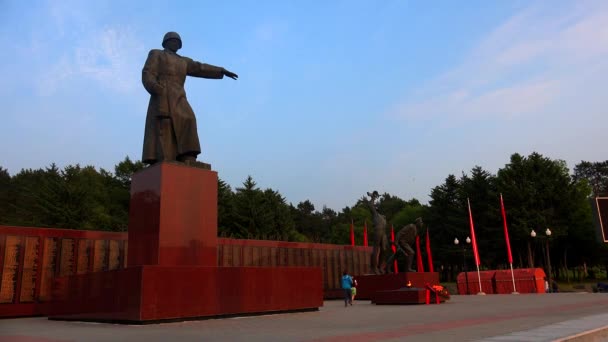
548,233
464,260
547,256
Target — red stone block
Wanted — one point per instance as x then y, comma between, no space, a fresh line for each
472,287
527,280
173,216
147,294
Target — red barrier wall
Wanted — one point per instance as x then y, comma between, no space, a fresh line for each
487,282
30,258
527,280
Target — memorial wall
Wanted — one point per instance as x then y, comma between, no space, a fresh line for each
31,257
332,258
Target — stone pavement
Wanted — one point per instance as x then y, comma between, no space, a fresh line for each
525,317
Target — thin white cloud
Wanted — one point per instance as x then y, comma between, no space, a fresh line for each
111,57
58,73
75,49
523,67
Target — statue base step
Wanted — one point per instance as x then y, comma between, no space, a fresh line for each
414,295
369,284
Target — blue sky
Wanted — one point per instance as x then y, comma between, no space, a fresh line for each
335,98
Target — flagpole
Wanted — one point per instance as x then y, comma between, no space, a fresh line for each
475,251
429,255
352,233
513,278
419,264
481,293
394,249
509,255
365,234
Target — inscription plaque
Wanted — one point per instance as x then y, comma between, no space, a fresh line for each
30,266
307,257
299,257
99,263
283,256
265,258
10,268
291,257
125,249
49,259
273,256
339,266
220,255
227,250
329,282
114,257
343,257
247,256
82,264
66,262
236,255
256,256
357,268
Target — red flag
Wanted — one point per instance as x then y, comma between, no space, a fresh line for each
394,248
365,234
419,266
474,240
352,233
504,224
428,252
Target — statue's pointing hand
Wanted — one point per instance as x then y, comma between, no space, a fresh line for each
230,74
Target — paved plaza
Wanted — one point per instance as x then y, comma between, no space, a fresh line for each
464,318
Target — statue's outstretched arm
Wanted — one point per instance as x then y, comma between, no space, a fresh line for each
204,70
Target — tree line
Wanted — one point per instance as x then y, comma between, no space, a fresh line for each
538,193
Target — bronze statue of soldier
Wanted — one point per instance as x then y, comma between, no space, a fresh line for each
404,240
171,132
380,240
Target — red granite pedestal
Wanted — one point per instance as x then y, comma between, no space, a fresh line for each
173,217
172,271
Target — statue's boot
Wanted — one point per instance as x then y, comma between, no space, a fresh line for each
409,261
187,159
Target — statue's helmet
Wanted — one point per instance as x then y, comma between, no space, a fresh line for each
172,35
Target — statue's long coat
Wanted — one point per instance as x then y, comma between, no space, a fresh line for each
163,76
